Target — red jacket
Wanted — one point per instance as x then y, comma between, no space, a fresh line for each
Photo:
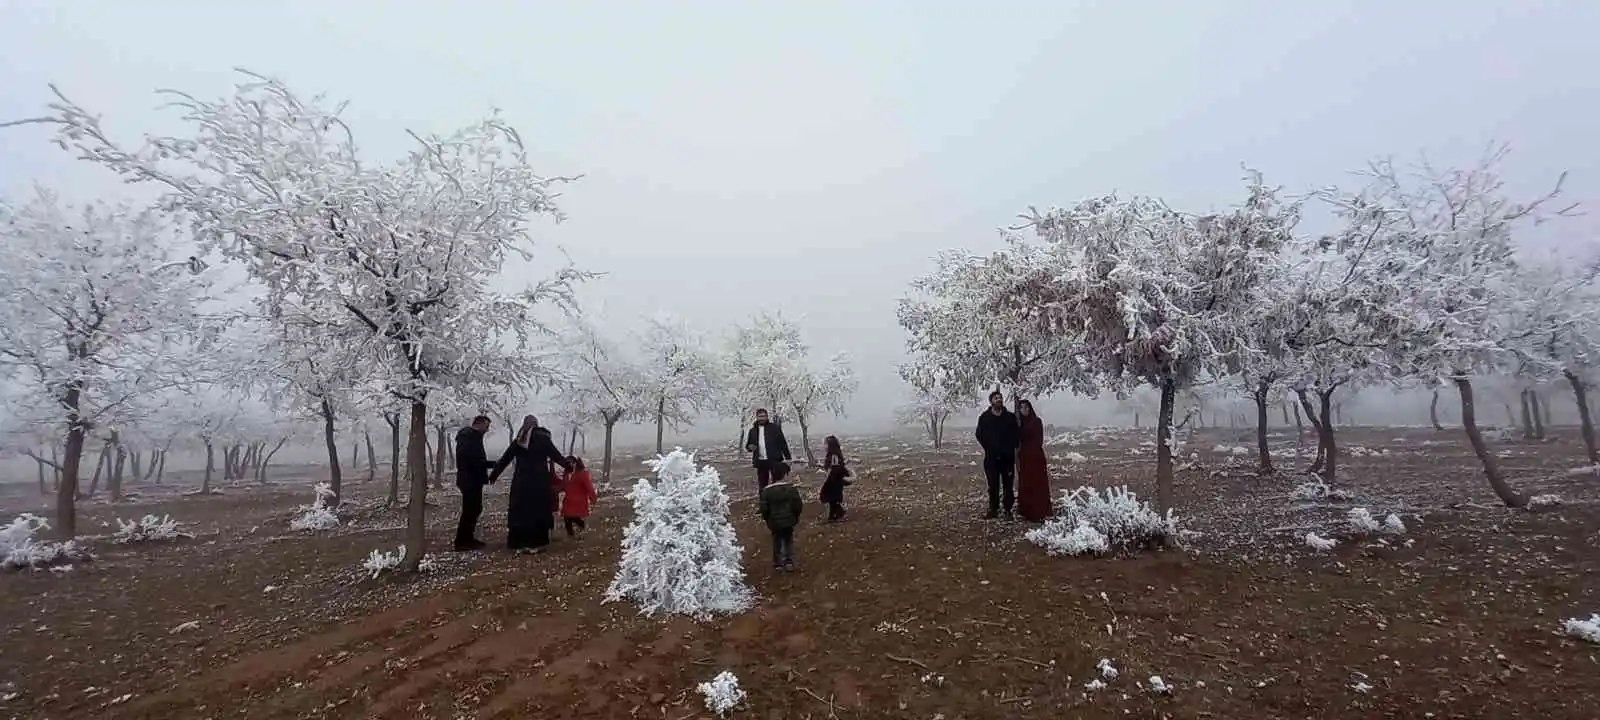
579,489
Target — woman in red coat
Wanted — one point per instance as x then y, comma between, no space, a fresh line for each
578,496
1033,471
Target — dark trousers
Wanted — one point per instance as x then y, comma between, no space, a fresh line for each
471,510
782,546
1002,475
835,510
572,523
763,474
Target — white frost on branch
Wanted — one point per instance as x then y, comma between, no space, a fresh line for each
147,529
19,549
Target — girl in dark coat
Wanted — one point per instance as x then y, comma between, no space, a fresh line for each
838,478
1033,470
530,511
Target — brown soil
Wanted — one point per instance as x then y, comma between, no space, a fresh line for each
911,608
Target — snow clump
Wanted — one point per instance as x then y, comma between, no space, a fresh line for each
1313,490
1543,501
19,549
1583,629
680,555
722,693
1094,520
1317,542
318,515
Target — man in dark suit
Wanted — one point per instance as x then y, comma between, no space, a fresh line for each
472,473
767,448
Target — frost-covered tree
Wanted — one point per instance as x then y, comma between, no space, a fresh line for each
966,319
608,380
681,555
1557,321
1447,243
395,260
814,392
1153,296
678,372
761,366
932,402
103,307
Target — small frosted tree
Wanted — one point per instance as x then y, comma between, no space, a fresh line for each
608,380
680,555
763,361
678,372
932,402
814,392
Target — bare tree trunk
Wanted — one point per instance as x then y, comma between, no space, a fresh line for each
1511,417
661,422
372,459
161,466
102,464
136,465
114,474
1433,411
1491,468
261,470
1538,414
1136,419
1299,424
1316,420
1527,415
393,420
1262,449
417,506
572,440
211,464
805,438
1164,469
71,464
1285,408
1580,394
1546,405
605,463
440,440
331,441
1330,446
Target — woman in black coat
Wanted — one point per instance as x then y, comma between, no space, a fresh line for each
529,512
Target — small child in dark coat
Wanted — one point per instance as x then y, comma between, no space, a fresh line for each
780,508
838,479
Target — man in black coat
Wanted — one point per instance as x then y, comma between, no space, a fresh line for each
472,473
1000,435
767,448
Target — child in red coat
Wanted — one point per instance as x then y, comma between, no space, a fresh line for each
579,494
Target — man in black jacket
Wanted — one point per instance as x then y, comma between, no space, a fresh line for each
472,473
1000,436
767,448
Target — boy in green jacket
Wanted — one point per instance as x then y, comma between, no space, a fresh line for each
780,508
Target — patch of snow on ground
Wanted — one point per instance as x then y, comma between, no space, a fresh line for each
317,515
1317,542
1543,500
148,529
1583,629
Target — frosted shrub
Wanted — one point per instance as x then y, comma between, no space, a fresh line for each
1542,501
19,549
723,693
680,554
1094,520
380,562
147,529
318,515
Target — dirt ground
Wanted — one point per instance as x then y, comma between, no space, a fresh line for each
913,607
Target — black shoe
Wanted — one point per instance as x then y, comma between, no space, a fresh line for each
470,545
1010,517
788,566
992,514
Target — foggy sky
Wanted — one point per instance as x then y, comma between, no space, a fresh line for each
811,156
